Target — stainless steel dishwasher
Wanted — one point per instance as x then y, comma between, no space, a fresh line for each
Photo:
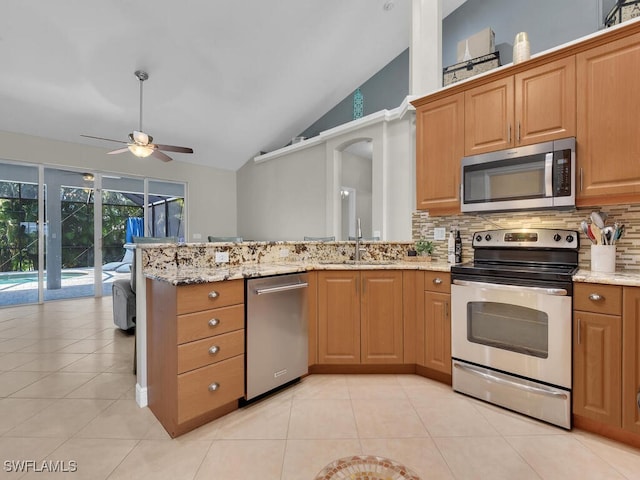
276,331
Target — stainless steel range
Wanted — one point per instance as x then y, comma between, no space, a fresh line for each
511,321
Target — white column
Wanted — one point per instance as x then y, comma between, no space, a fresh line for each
425,73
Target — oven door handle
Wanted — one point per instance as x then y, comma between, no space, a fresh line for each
509,383
558,292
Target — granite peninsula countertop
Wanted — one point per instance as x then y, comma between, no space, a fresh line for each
190,275
622,278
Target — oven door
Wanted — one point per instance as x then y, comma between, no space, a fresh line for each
525,331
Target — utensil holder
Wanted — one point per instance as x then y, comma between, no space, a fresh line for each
603,258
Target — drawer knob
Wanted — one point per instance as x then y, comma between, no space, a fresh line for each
214,386
596,297
213,350
437,280
213,294
214,322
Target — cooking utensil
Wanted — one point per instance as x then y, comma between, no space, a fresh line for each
608,235
597,233
597,219
584,226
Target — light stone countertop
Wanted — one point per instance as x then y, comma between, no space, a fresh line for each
628,279
190,275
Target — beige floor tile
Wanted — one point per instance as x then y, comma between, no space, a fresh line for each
322,418
372,379
50,362
48,345
86,345
11,382
54,385
304,459
418,454
124,345
268,419
163,460
14,411
15,344
562,456
104,385
9,361
324,386
122,419
624,458
373,391
410,380
243,460
94,459
484,458
376,418
21,449
100,362
455,419
63,418
431,394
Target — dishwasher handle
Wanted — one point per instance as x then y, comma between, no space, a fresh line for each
281,288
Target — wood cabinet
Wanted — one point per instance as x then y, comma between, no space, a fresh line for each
439,148
360,317
606,375
195,351
435,334
607,132
631,359
533,106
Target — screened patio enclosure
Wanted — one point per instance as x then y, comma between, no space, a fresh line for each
80,251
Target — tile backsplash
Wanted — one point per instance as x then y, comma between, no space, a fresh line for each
627,251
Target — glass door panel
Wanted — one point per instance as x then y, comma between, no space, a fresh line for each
166,209
18,234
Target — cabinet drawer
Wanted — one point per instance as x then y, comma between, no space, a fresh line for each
204,296
210,350
195,326
597,298
196,394
437,282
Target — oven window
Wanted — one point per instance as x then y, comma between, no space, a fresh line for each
509,327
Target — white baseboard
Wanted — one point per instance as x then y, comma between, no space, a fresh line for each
141,396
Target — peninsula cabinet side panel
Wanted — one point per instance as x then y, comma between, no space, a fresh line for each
631,359
162,362
608,150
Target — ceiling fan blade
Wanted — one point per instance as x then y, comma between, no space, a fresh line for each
158,154
102,138
173,148
120,150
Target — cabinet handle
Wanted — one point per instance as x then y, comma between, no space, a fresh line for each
638,400
518,132
213,350
596,297
214,322
579,330
581,175
509,134
437,280
213,294
214,386
446,309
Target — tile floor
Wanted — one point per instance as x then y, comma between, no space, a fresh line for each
67,395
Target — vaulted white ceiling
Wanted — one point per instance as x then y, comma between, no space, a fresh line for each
227,78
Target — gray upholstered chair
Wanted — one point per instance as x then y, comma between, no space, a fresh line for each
319,239
212,238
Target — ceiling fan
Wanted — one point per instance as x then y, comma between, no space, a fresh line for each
140,143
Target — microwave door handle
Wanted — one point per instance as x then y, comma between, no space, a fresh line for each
548,175
557,292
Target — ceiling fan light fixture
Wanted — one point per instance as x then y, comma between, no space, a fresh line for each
141,151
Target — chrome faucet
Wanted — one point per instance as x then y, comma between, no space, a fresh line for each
358,238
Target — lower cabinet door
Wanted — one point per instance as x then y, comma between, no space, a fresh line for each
437,331
631,359
207,388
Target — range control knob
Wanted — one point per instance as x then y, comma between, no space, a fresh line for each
478,238
557,237
487,237
569,238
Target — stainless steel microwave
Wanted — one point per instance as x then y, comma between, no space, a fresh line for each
529,177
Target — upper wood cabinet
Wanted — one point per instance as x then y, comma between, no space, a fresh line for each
533,106
439,148
608,152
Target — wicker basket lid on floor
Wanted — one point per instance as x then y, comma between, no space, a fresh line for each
365,467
